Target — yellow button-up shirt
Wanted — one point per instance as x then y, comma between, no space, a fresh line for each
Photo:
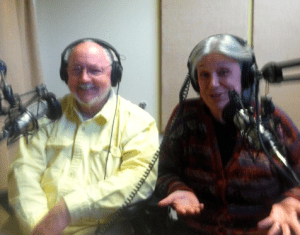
74,159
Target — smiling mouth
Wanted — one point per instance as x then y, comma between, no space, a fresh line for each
85,86
219,96
216,95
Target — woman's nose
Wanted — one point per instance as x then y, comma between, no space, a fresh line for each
215,80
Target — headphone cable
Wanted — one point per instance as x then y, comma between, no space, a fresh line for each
112,129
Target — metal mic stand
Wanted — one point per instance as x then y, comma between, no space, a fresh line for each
292,178
16,109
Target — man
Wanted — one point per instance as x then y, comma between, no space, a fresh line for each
77,173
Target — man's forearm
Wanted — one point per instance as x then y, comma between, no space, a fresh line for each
55,221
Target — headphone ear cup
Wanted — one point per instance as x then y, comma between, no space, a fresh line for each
193,79
195,85
116,73
247,74
194,82
247,69
54,106
63,71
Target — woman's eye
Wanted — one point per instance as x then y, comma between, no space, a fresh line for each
204,74
224,72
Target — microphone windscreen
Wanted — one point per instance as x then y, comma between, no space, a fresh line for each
272,72
2,67
38,108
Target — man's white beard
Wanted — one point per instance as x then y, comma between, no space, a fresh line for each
95,100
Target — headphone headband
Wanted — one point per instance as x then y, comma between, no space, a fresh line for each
116,71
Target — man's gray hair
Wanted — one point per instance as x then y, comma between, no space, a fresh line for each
108,52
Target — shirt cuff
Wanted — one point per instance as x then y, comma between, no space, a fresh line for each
294,192
78,206
175,186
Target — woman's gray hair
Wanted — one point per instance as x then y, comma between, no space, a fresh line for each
225,44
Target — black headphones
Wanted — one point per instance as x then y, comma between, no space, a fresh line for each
116,67
246,68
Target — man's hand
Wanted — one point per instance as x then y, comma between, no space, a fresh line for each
184,202
283,218
55,221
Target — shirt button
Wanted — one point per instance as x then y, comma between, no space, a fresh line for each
83,128
72,174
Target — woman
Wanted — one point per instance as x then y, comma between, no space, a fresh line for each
214,179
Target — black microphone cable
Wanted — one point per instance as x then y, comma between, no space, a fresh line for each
101,229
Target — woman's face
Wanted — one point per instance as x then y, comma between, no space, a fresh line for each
217,75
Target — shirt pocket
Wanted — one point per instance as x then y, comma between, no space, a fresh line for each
104,162
58,149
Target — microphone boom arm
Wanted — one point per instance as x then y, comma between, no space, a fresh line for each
294,180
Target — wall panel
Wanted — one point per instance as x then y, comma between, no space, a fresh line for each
184,24
277,38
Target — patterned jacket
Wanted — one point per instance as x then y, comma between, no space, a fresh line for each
237,194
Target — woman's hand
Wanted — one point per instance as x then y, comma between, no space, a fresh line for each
184,202
283,218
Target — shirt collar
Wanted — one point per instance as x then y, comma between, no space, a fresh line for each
108,110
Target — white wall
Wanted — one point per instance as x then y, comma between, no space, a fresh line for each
130,26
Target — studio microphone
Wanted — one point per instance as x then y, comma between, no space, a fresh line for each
26,121
278,72
6,89
2,68
235,114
